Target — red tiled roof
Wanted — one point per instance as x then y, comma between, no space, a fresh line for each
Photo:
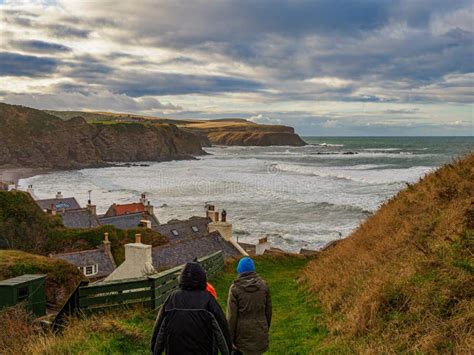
128,208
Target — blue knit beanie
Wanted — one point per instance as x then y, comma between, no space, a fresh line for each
245,265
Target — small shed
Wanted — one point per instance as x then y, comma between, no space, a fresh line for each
26,288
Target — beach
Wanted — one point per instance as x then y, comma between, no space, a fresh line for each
14,174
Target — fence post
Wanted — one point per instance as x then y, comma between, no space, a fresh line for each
153,293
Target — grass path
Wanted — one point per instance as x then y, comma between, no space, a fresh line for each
294,327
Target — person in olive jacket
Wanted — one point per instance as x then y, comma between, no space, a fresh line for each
191,321
249,310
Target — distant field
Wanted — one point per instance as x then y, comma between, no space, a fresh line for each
98,117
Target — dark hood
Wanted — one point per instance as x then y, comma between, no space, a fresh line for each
249,281
193,277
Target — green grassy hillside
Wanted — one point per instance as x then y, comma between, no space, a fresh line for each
404,280
62,278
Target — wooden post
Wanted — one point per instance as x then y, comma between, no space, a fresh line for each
153,293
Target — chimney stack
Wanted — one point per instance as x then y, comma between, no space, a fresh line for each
262,246
107,246
212,213
59,195
52,210
223,227
138,262
149,208
91,208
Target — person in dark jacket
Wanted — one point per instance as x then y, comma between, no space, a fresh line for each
191,321
249,310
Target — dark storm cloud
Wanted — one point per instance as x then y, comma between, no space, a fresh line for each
64,31
90,70
14,64
87,68
379,50
136,84
373,42
40,46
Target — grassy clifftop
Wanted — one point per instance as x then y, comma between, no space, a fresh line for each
403,281
62,278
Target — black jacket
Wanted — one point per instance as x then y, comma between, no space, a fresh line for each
191,321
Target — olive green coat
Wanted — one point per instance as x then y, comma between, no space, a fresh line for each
249,313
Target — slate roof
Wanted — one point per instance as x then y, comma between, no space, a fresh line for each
59,203
184,229
181,252
118,210
80,218
129,221
90,257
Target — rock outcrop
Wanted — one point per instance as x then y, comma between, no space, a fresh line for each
255,138
33,138
242,132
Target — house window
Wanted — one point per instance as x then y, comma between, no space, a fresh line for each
174,232
89,270
195,229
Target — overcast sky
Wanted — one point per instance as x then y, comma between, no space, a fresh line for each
325,67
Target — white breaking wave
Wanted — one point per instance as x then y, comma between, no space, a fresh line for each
381,149
363,174
324,144
266,190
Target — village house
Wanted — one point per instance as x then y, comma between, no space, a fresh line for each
195,238
71,213
122,216
189,239
131,215
96,264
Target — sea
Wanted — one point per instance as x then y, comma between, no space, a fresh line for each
298,197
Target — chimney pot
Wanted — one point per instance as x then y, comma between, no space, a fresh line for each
138,238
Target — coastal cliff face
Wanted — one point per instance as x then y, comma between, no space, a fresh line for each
255,138
124,142
33,138
245,133
227,131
